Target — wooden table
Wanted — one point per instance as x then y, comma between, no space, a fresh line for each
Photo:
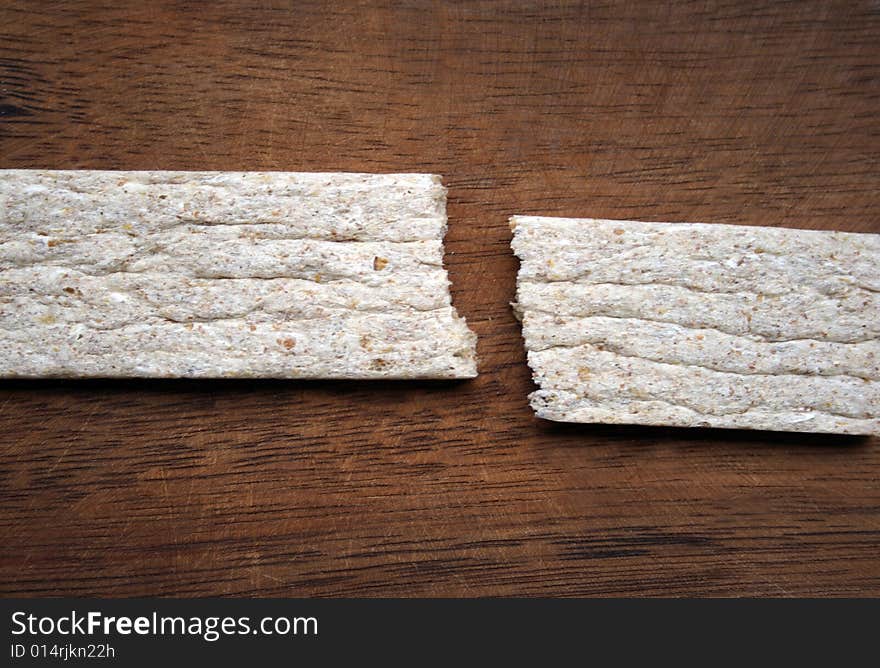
763,113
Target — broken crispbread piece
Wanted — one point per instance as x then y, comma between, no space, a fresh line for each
226,274
701,325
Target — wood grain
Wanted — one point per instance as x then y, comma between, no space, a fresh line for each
751,113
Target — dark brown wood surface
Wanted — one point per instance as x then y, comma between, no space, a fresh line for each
755,113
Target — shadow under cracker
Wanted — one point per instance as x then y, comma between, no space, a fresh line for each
225,386
648,434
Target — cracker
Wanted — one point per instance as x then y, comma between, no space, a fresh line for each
226,274
701,325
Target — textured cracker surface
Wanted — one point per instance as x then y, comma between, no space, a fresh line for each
701,325
226,274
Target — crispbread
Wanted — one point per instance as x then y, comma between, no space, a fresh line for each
701,325
226,274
